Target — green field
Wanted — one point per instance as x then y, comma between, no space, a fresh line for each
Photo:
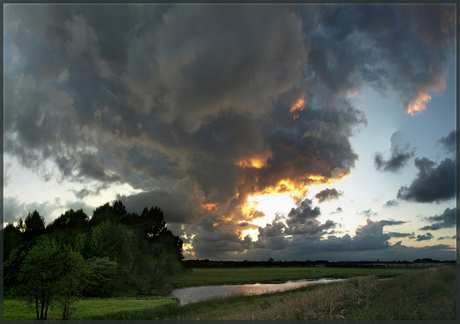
411,294
217,276
92,308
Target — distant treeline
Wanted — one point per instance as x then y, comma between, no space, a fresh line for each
113,253
206,263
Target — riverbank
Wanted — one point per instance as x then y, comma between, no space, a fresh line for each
225,276
418,294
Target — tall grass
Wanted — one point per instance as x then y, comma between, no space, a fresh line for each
215,277
421,295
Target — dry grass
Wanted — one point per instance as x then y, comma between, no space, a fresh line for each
330,302
419,295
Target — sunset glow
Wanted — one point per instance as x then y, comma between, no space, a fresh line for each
321,131
417,106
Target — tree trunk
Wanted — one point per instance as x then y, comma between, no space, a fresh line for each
42,309
36,307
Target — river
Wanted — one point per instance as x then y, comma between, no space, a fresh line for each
195,294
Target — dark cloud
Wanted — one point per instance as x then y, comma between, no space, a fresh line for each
301,214
447,238
275,229
391,203
424,237
368,213
446,220
449,142
390,222
328,194
356,45
200,107
396,234
433,184
396,162
181,201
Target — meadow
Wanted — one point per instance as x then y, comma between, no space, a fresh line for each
410,294
228,276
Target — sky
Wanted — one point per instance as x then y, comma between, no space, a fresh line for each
292,132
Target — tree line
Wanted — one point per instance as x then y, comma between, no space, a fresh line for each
113,253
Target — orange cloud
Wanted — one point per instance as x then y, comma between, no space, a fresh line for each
419,104
298,105
209,206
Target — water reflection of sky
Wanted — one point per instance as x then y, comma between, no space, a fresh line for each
195,294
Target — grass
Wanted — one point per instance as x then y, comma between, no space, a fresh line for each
214,277
420,295
414,294
91,308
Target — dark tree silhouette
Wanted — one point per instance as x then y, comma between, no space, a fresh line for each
70,219
34,225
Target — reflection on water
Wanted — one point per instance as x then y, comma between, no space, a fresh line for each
195,294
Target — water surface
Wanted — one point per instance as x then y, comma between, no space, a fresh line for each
195,294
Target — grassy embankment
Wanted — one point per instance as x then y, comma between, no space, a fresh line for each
216,277
419,294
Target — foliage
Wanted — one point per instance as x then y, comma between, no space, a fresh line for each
100,273
69,219
124,253
12,266
34,225
11,239
74,277
50,273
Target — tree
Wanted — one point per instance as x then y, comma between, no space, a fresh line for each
12,238
70,219
103,213
49,273
119,209
100,273
153,222
73,280
34,225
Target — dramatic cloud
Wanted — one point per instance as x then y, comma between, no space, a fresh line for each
432,184
396,162
302,213
446,220
199,108
424,237
328,194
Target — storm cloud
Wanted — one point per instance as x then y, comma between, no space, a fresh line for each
398,159
433,183
328,194
199,108
446,220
